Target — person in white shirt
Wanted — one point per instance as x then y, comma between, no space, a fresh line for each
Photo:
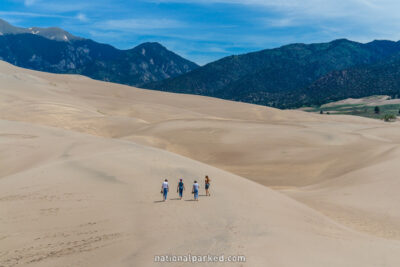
165,189
196,191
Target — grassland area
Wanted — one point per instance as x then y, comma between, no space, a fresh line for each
377,107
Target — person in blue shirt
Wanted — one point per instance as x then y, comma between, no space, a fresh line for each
180,188
196,191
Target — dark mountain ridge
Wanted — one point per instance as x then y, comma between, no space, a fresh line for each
55,50
382,78
278,77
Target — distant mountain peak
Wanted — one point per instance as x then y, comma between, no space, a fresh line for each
66,53
151,44
153,50
52,33
7,28
342,40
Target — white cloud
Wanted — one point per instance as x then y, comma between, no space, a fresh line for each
82,17
62,6
280,22
29,2
140,24
10,16
70,6
30,14
378,14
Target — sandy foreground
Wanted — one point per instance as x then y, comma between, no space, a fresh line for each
81,164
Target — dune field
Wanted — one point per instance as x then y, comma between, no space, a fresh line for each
82,161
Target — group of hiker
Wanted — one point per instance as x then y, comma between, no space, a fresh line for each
181,187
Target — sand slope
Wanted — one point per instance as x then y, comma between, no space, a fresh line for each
95,202
85,191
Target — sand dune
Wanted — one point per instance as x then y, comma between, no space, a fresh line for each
82,162
91,201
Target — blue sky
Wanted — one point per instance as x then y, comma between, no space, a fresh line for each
206,30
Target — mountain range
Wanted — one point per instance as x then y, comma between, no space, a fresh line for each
55,50
296,75
290,76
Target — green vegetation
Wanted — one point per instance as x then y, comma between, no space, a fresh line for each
296,75
389,117
384,112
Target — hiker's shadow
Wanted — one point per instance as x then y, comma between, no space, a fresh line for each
190,200
159,201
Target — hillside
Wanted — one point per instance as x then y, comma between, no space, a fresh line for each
55,50
377,79
279,77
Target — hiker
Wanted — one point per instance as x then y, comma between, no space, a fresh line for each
207,184
165,189
180,188
195,191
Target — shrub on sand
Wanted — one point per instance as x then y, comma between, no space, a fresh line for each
389,117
